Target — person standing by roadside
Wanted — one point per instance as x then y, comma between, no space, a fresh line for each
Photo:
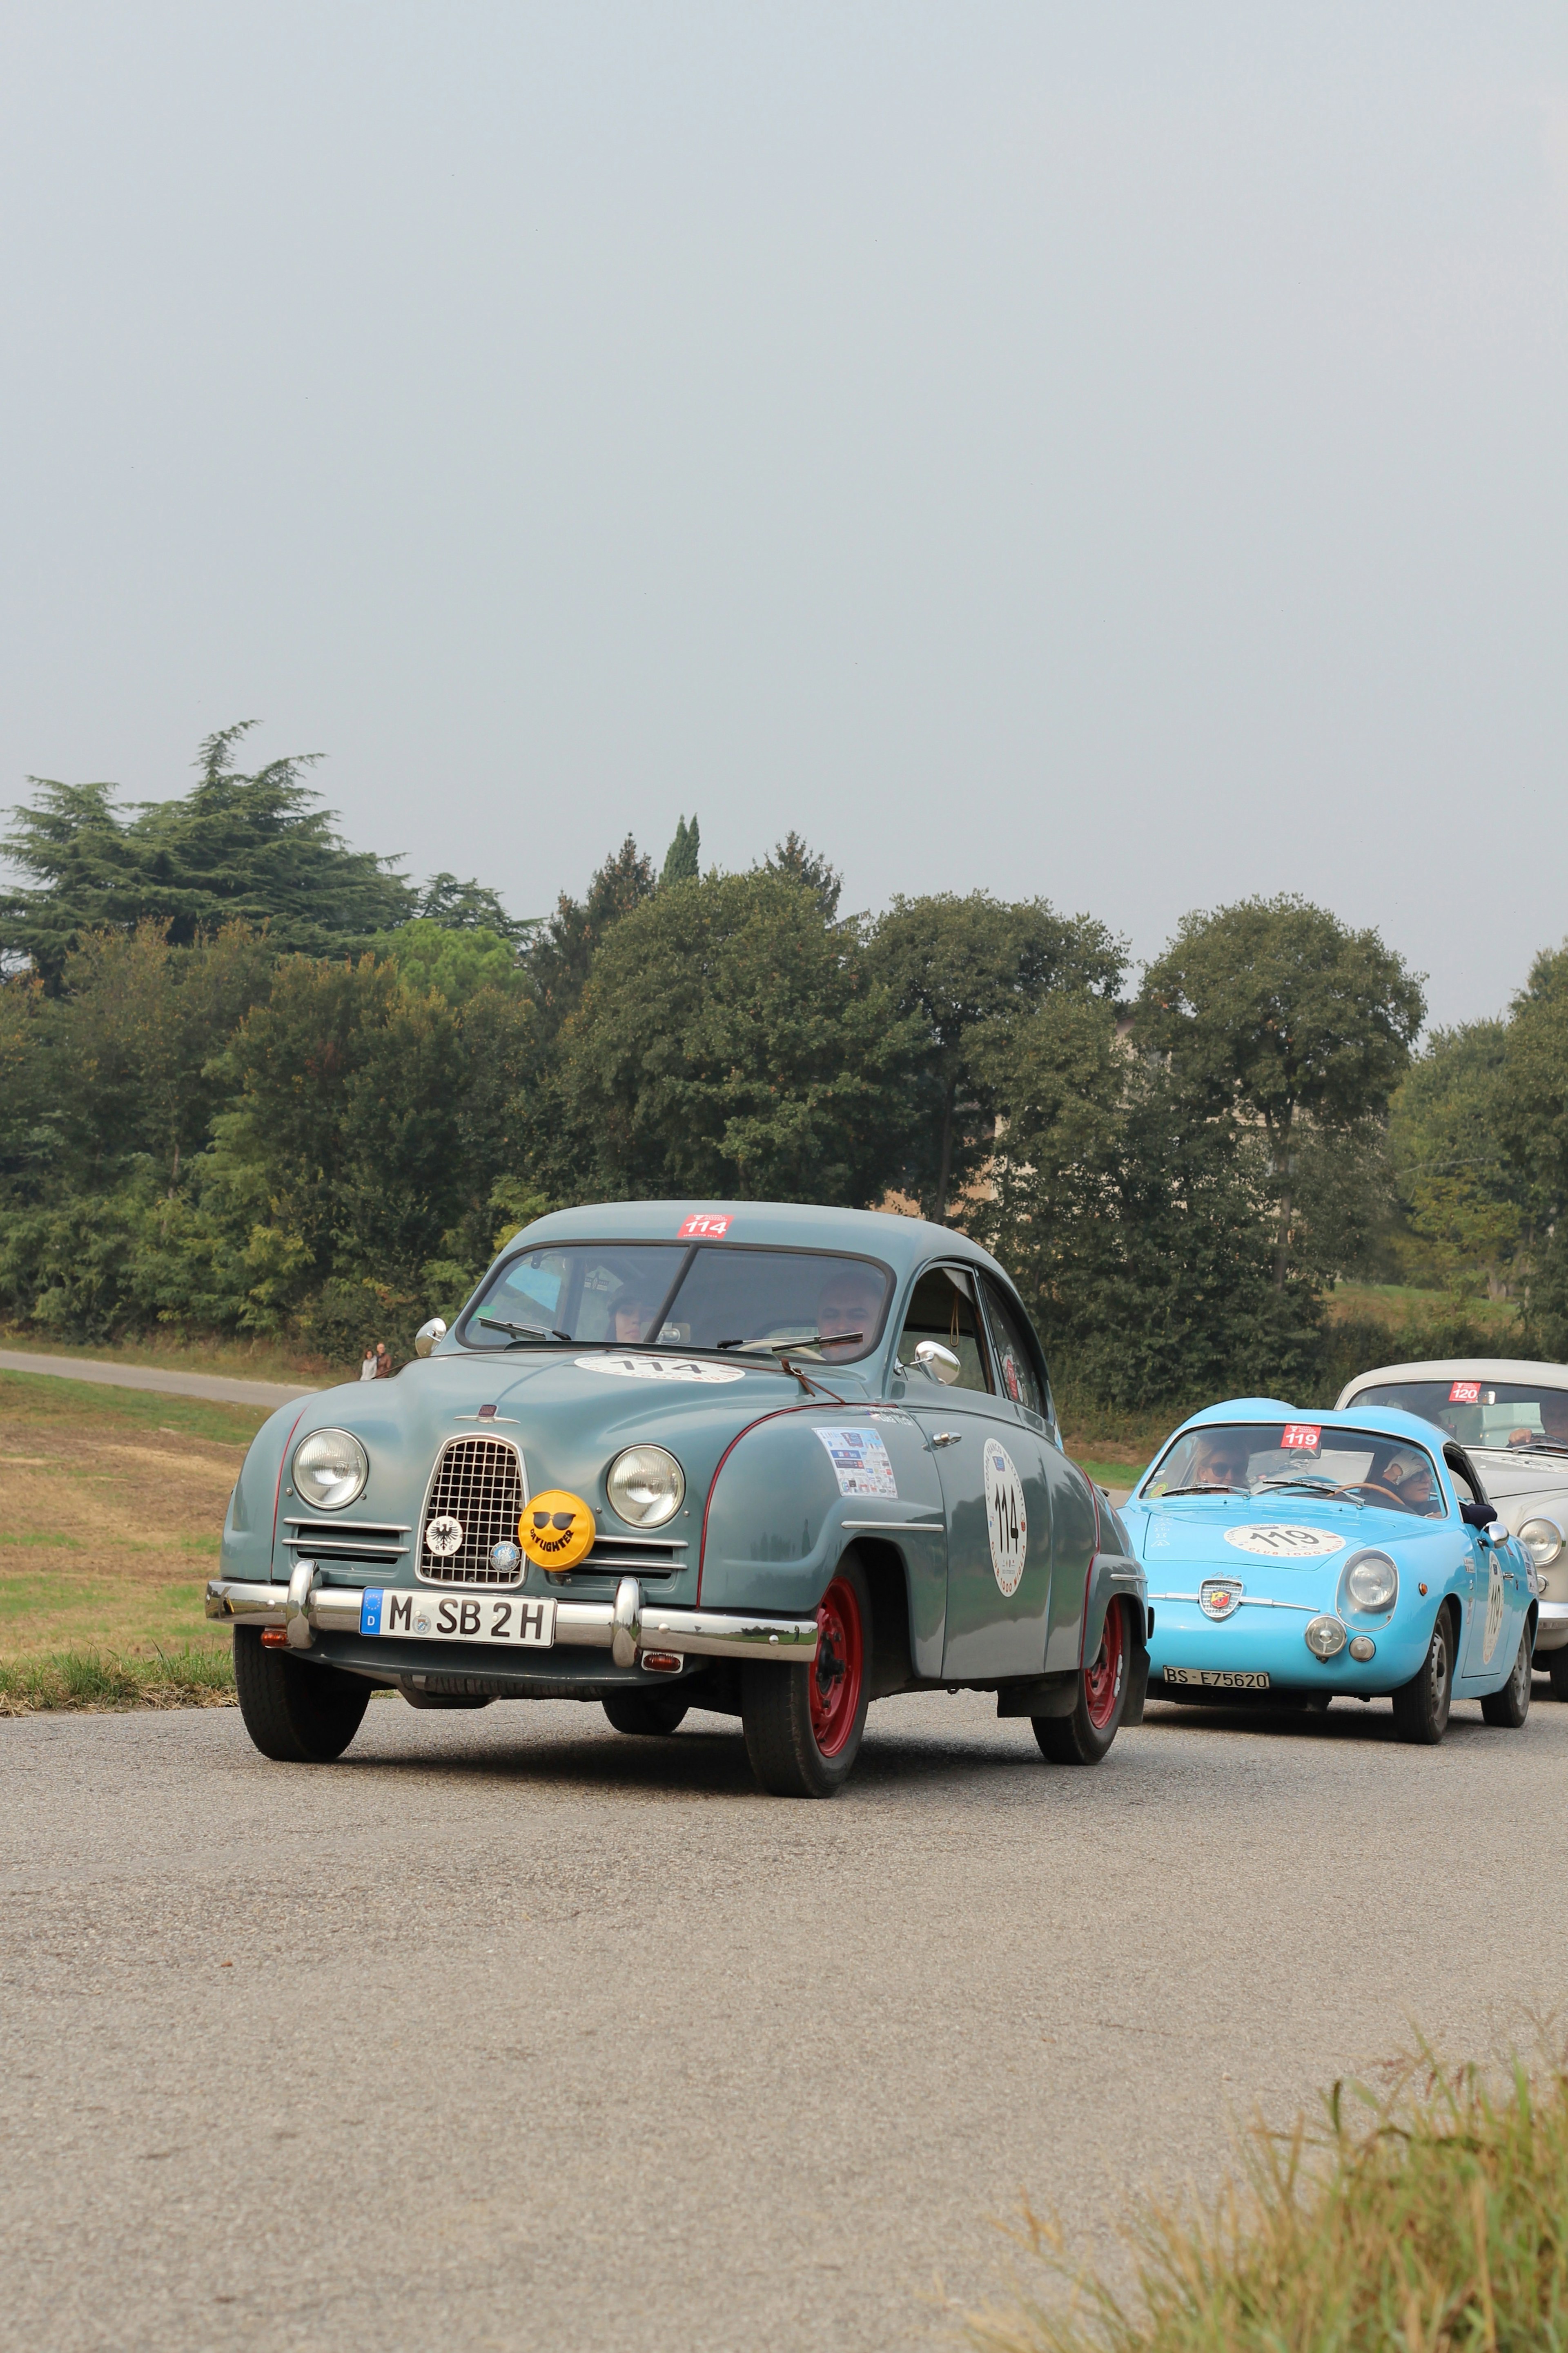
383,1362
368,1363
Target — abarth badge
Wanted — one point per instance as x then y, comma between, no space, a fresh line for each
1219,1595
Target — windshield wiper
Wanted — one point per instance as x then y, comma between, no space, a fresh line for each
801,1340
1526,1446
1217,1489
1316,1487
521,1331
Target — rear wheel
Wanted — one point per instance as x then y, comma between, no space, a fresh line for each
1509,1706
1084,1737
1557,1668
803,1725
295,1713
651,1713
1421,1707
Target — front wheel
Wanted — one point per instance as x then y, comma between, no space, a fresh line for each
651,1713
1509,1706
1084,1737
295,1713
1421,1707
803,1725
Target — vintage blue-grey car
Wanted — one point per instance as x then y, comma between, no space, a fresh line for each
773,1460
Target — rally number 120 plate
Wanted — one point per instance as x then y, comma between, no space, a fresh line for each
512,1617
1217,1678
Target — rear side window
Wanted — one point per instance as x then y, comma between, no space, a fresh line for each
1015,1365
943,1308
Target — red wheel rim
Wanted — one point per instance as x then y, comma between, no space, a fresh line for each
1102,1681
836,1676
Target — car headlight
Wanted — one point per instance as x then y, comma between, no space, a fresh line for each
1325,1638
1541,1540
646,1486
1373,1581
331,1468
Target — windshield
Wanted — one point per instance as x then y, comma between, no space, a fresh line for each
666,1295
1482,1413
1257,1458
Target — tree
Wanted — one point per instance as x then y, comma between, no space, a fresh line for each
561,955
728,1042
1274,1010
252,849
455,962
467,907
955,966
798,862
682,859
1132,1219
1467,1198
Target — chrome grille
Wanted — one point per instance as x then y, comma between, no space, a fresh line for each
478,1482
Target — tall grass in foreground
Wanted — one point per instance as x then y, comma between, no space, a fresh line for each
186,1677
1431,2215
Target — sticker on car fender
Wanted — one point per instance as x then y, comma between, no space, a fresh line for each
1006,1521
1272,1541
659,1368
861,1463
1494,1610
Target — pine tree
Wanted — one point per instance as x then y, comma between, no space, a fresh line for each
681,859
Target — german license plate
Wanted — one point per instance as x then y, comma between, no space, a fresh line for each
514,1618
1217,1678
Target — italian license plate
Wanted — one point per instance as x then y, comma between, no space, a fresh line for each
514,1618
1217,1678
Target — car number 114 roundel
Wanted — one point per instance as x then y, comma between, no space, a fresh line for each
1006,1521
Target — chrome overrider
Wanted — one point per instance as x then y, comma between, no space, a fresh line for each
623,1627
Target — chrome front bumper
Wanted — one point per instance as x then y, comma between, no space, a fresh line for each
623,1627
1552,1627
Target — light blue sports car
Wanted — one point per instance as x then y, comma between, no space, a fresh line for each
1302,1558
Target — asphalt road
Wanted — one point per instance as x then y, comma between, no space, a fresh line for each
508,2031
225,1390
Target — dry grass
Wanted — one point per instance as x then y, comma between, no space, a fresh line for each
1428,2216
111,1506
250,1360
86,1680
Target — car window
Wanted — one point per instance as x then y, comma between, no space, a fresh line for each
943,1309
818,1304
1487,1413
1016,1367
592,1292
1273,1458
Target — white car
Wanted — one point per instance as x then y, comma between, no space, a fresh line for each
1512,1418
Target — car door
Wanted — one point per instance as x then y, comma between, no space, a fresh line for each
994,1491
1482,1584
1021,1379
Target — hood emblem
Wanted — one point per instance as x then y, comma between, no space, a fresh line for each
1219,1597
444,1535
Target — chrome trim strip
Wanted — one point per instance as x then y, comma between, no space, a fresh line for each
918,1528
359,1527
626,1535
1245,1601
319,1544
593,1625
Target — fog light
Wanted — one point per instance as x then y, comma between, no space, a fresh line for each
1362,1647
1325,1638
663,1662
274,1638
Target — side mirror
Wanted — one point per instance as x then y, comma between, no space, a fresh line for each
939,1362
1495,1533
425,1339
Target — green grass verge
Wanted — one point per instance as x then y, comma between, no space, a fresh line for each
1427,2215
51,1398
98,1680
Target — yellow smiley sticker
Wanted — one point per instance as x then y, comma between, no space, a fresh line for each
556,1530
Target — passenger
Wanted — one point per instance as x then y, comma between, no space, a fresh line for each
1220,1461
850,1304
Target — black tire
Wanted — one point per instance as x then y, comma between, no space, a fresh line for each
1421,1707
1556,1665
1509,1706
651,1714
295,1713
1084,1737
781,1707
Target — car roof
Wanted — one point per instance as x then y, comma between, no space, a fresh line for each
1460,1368
902,1243
1385,1421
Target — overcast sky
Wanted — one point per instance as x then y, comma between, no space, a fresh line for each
1118,451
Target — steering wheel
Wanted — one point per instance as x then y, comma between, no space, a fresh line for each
1375,1487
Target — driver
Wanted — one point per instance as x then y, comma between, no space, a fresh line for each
1553,1409
851,1301
630,1315
1220,1461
